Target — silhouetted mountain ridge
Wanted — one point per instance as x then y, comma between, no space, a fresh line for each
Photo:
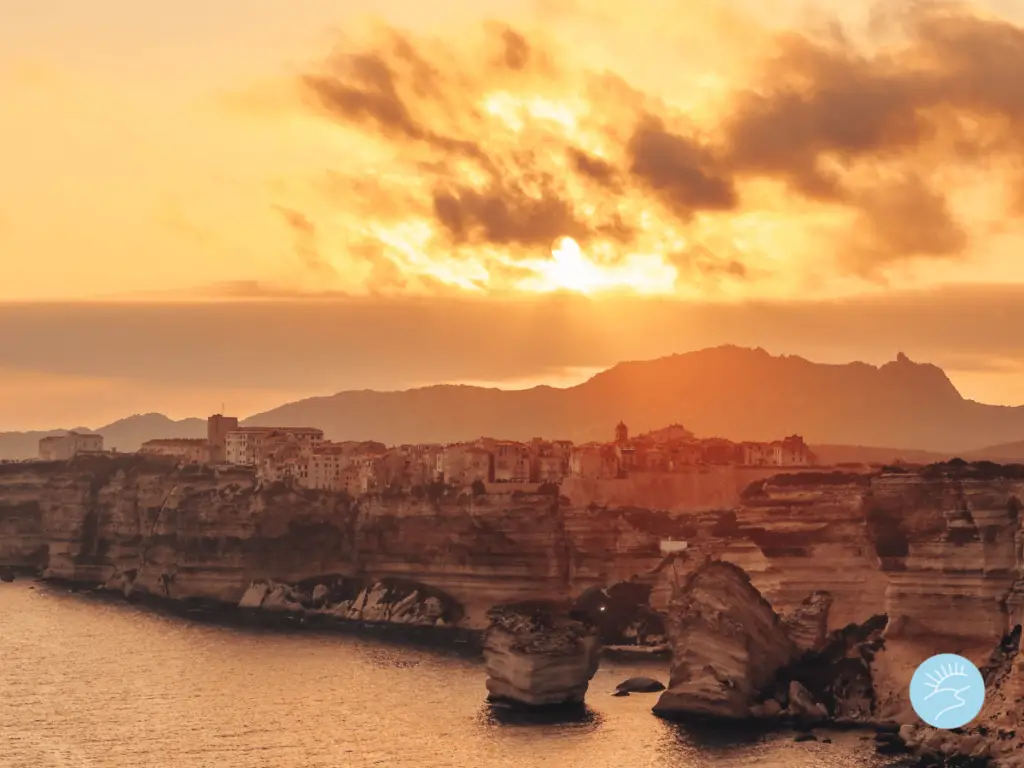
727,391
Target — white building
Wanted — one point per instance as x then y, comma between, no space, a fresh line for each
671,546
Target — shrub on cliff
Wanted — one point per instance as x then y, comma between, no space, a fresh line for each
754,491
813,478
885,530
979,470
478,488
541,626
393,491
726,525
436,490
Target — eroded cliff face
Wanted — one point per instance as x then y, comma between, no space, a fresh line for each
946,549
910,545
193,532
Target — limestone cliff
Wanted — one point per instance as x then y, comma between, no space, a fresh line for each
195,532
943,545
908,544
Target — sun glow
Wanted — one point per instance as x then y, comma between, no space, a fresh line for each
569,269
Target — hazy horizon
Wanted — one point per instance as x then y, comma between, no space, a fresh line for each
295,202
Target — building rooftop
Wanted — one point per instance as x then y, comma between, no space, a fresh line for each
255,430
176,441
69,433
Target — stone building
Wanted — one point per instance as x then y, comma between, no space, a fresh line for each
63,447
794,452
462,463
327,468
685,454
192,451
788,452
511,462
248,445
594,461
217,428
550,468
670,434
718,450
759,454
406,466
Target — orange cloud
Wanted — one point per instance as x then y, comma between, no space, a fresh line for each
467,158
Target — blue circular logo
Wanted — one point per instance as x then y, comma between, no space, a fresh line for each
947,691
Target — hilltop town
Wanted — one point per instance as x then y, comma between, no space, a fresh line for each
302,456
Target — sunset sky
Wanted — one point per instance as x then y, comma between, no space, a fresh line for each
252,201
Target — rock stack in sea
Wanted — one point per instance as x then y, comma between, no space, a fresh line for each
538,656
734,657
727,644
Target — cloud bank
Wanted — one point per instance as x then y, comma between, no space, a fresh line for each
832,157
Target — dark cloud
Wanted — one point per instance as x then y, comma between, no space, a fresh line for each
679,170
906,218
948,93
827,103
601,171
505,215
516,53
858,130
364,88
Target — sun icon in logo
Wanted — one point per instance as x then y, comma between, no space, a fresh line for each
947,691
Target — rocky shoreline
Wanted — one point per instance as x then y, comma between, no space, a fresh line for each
219,613
907,744
465,640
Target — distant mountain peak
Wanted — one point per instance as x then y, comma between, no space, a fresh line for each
927,379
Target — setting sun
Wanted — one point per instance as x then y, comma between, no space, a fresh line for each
569,269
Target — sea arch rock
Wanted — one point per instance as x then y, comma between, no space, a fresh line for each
622,614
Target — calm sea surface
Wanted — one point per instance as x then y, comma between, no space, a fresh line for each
89,683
